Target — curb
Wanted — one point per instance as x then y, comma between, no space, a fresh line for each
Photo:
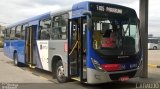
153,66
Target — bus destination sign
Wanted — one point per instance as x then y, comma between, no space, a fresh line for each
108,9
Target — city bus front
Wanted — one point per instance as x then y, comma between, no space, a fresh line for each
113,44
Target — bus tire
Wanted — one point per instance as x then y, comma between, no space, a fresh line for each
60,72
154,48
15,58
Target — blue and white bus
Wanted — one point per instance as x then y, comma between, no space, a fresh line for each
93,42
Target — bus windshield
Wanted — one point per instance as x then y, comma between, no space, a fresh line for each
115,36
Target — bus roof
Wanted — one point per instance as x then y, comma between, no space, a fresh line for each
84,4
30,19
79,8
38,17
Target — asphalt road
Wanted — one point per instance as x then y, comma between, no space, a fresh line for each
12,77
11,73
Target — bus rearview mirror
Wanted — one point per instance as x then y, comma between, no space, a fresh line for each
88,13
89,21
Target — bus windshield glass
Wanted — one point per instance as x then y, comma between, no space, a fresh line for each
115,36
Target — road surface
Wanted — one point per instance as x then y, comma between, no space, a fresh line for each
26,78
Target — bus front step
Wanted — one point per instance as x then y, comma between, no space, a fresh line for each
31,66
76,78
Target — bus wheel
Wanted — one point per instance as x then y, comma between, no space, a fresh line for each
60,72
15,57
154,48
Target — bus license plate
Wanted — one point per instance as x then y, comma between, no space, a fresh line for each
124,78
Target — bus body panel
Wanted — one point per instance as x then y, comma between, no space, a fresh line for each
37,56
18,46
57,48
95,77
11,46
6,48
78,9
43,47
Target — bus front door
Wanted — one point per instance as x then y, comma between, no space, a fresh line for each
29,45
77,49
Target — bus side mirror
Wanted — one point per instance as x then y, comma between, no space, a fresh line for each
87,13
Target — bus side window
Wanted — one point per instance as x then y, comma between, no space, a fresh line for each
23,31
59,31
18,32
7,34
45,26
12,35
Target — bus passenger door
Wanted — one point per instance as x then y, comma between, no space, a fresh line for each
29,45
77,48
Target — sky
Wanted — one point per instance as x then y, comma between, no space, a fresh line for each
12,11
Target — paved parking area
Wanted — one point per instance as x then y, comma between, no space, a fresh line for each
154,57
25,78
11,73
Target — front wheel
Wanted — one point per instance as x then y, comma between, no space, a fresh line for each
60,72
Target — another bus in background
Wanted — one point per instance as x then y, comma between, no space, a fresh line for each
153,43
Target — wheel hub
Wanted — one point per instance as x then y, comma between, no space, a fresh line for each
60,71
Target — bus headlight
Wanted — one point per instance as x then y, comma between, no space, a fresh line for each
97,65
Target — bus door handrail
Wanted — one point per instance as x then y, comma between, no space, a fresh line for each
74,47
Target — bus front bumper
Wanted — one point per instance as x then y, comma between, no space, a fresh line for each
96,77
